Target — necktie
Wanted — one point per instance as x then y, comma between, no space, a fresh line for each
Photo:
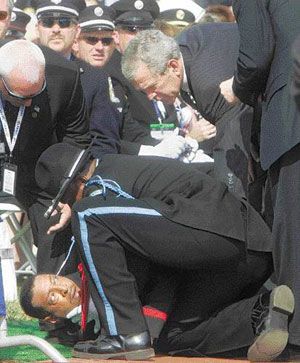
84,292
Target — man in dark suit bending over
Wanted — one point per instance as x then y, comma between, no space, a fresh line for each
157,65
41,104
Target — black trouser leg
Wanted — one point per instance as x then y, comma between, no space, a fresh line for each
113,287
285,177
213,310
105,228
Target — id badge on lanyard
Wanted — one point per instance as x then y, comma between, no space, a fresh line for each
9,178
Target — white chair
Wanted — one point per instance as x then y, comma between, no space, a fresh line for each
21,234
12,231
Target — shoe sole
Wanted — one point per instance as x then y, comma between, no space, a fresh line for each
270,343
142,354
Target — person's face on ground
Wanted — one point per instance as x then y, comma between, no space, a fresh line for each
57,294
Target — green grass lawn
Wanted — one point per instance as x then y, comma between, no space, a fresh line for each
20,324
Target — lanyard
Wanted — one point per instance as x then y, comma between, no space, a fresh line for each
157,111
11,142
179,113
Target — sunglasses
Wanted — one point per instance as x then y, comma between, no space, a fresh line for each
22,98
3,15
62,22
94,40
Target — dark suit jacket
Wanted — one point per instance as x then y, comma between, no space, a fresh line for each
57,114
138,111
209,53
102,114
186,196
268,28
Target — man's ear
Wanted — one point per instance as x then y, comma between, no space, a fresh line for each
175,66
116,37
77,29
75,46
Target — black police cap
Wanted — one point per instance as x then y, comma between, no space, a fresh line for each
180,12
54,166
61,7
19,20
135,12
23,4
97,17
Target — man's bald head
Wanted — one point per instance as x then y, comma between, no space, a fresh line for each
21,76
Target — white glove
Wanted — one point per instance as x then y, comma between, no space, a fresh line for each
170,147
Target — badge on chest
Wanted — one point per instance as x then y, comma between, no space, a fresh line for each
9,178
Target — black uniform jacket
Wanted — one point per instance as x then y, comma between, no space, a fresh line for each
268,28
186,196
102,114
57,114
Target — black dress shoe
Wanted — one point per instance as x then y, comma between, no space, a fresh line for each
270,323
130,347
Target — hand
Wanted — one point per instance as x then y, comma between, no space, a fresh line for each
170,147
201,130
227,91
64,220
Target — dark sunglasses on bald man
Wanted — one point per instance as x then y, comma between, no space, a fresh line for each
22,98
63,22
94,40
3,15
